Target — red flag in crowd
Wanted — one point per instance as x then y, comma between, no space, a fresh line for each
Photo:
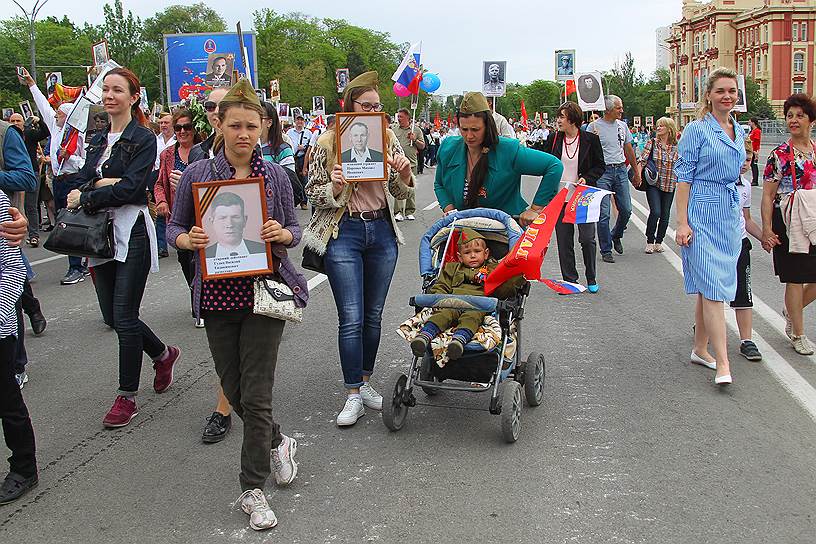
450,123
528,253
571,86
524,115
437,121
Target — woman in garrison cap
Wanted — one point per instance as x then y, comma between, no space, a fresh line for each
482,169
354,228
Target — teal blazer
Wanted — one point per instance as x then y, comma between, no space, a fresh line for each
507,162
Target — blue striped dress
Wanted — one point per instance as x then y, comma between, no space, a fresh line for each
710,161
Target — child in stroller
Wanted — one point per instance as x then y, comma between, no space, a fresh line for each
464,277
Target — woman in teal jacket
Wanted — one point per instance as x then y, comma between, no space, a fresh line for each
481,169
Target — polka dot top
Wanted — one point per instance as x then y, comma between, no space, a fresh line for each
232,293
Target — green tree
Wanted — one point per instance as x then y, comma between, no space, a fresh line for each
123,32
758,105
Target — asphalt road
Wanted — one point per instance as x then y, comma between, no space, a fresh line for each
632,443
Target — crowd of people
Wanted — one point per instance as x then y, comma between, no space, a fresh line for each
142,173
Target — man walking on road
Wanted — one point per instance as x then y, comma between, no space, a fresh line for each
616,141
412,141
300,141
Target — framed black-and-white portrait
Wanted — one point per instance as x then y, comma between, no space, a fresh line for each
297,112
742,102
283,110
589,89
361,147
219,70
274,90
99,52
232,214
564,64
649,121
7,112
51,81
25,109
494,73
318,105
261,94
341,76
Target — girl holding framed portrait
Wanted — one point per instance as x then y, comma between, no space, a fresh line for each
244,345
353,227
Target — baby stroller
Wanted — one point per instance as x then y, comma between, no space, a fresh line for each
478,370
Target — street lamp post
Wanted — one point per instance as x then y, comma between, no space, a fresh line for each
31,19
162,74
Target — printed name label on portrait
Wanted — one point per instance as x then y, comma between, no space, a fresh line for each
357,170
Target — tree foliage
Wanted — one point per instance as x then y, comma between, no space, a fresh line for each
758,105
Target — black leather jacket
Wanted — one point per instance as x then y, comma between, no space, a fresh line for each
132,158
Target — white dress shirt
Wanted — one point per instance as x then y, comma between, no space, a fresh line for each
72,164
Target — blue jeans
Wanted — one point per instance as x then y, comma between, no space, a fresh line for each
161,232
62,186
614,179
659,211
360,263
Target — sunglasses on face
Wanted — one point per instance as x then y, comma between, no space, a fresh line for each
186,126
210,106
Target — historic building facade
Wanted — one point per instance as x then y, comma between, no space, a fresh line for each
769,41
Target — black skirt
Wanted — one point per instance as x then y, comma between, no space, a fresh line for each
791,267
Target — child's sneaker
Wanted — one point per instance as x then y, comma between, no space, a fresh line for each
455,349
419,345
261,516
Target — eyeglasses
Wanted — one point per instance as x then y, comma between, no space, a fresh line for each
368,106
186,126
210,106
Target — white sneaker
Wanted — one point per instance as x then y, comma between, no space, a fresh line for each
283,459
253,502
199,323
410,217
399,217
371,399
802,345
352,411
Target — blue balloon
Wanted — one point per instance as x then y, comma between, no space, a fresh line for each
430,83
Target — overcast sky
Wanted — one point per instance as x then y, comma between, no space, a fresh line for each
458,35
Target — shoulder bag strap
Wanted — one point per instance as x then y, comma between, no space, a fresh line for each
212,168
793,163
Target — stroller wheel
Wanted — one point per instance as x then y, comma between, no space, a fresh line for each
395,410
510,410
534,379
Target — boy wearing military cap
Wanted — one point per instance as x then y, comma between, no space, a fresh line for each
464,277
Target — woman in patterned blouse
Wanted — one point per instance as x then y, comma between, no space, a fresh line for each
661,194
791,166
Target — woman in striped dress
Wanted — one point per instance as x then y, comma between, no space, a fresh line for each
711,153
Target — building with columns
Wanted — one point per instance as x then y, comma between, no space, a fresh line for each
769,41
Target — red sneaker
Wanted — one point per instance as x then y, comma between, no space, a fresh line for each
120,414
164,369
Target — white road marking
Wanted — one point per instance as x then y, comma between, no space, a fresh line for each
792,381
431,206
315,281
48,259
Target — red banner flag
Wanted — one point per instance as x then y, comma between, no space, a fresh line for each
571,87
528,254
450,123
524,115
437,121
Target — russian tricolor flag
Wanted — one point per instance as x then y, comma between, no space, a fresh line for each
584,205
564,287
408,73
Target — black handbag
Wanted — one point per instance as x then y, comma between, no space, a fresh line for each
649,174
82,234
312,260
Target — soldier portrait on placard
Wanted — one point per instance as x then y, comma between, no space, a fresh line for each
494,73
51,80
219,69
564,64
341,76
274,90
361,146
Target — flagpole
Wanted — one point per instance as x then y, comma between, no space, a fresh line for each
447,244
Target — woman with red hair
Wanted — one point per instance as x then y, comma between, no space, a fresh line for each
118,164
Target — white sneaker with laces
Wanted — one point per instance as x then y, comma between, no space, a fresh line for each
253,502
283,459
399,217
371,399
352,411
410,217
802,345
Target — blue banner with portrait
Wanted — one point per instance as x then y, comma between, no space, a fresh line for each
197,63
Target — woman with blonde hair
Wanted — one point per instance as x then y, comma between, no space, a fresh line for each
660,189
710,156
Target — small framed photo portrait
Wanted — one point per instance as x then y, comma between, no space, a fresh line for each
219,70
51,80
361,146
564,64
297,112
232,213
25,109
637,120
590,91
143,103
97,120
274,90
283,110
318,105
494,73
341,76
742,103
157,109
261,94
7,112
650,121
99,53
